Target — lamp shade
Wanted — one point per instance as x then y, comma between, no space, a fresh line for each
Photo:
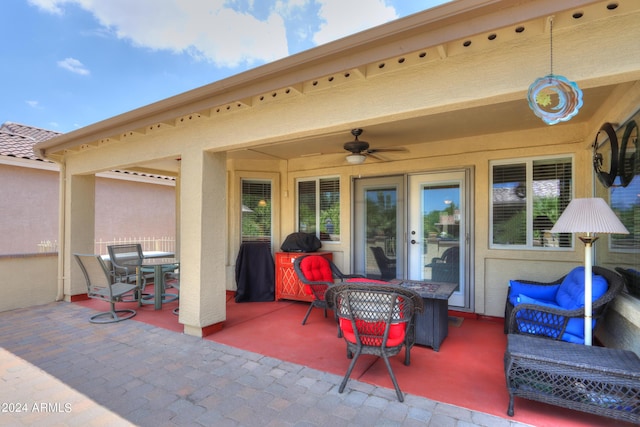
590,215
356,159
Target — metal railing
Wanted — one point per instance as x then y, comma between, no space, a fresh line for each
149,244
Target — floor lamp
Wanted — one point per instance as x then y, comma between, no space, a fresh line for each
588,216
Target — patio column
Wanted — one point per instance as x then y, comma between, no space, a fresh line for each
79,230
203,241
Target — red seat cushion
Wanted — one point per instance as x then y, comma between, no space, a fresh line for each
316,269
371,332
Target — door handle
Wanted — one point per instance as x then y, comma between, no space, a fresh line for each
413,241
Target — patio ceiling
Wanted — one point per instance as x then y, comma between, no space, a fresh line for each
496,118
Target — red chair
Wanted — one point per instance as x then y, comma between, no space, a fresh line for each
375,319
317,274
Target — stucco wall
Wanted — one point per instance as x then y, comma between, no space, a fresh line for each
130,209
621,326
124,208
28,280
28,208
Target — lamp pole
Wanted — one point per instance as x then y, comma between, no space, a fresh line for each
588,291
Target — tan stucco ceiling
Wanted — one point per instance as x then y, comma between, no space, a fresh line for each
496,118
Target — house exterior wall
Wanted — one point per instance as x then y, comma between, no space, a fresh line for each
134,209
29,208
28,280
493,268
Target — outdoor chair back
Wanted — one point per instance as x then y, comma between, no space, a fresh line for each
386,265
125,253
375,319
316,274
101,285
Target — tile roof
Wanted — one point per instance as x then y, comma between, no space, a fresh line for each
17,140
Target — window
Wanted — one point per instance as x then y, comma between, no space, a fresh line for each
319,207
256,211
625,203
527,198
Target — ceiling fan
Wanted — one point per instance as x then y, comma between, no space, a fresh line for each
360,149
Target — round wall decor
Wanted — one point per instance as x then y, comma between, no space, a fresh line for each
606,150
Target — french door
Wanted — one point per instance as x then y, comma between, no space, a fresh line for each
438,239
379,227
415,227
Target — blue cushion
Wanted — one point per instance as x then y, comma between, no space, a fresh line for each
542,292
571,292
524,299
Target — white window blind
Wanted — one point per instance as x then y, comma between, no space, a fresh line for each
319,207
527,198
256,211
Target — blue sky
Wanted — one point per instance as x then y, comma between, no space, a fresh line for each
70,63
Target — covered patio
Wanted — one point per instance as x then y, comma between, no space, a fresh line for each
467,372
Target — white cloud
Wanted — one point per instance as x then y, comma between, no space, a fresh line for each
33,104
50,6
205,29
74,66
229,33
341,18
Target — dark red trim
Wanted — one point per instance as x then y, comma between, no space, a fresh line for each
78,297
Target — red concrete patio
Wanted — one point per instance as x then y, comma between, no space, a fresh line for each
466,372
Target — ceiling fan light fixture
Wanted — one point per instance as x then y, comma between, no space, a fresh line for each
356,159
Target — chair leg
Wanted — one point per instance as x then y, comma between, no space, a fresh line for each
308,313
112,315
348,374
393,378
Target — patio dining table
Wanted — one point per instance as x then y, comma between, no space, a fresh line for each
159,265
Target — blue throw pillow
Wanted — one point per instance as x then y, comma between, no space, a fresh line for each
571,292
541,292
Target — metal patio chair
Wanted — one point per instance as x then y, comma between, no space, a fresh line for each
124,258
101,285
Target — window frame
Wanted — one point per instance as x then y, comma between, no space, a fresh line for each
317,180
529,163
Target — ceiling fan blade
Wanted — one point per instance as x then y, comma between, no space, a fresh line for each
372,154
385,150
